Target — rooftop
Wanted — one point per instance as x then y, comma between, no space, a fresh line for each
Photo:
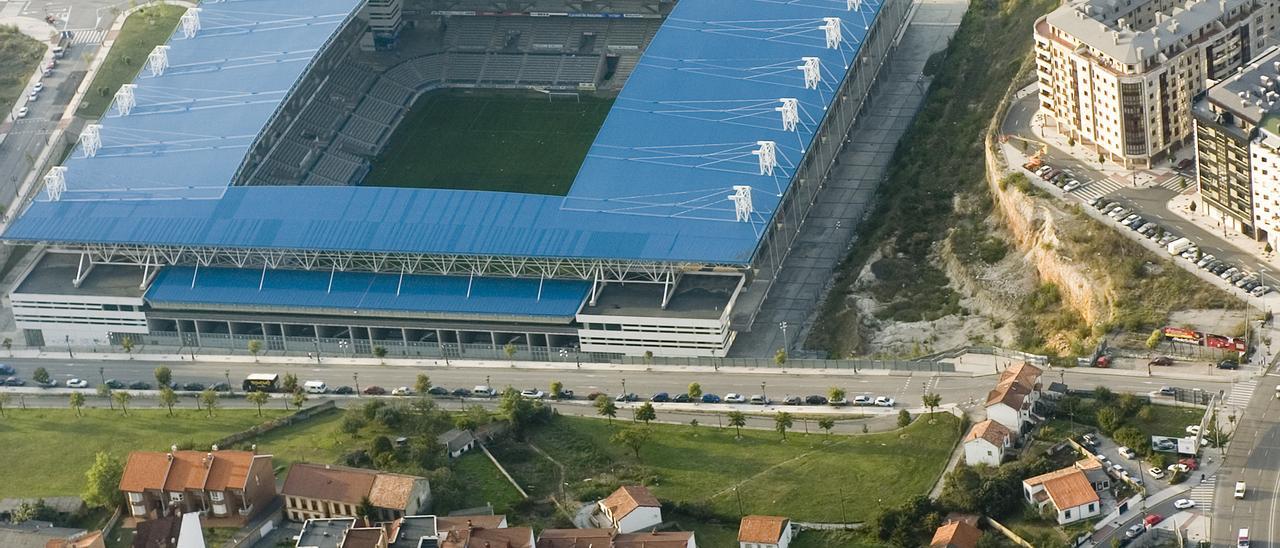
54,272
701,297
627,498
349,485
1092,22
1252,92
761,529
324,533
992,431
955,534
683,132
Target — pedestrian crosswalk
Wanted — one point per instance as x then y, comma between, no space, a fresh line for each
1241,393
1202,493
1107,186
88,36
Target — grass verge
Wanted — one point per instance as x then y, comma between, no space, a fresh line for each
19,56
142,32
939,157
47,451
485,484
504,141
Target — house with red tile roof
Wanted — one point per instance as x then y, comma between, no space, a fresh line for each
1069,491
318,491
1012,402
764,532
986,443
629,509
956,534
224,484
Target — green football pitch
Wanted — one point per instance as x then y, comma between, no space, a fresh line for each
491,140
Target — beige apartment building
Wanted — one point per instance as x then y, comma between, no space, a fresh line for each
1119,76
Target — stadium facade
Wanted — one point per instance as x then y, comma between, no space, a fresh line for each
219,201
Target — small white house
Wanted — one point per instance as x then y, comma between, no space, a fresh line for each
629,509
1068,490
986,443
1014,397
457,442
764,532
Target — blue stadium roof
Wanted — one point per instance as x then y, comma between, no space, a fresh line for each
654,185
364,292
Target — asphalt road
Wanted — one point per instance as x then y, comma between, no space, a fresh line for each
1254,458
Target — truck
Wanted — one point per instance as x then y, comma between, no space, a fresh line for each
1242,539
261,382
1179,245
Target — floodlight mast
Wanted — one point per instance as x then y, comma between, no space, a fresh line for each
812,72
742,203
768,155
831,26
158,60
55,182
91,140
790,110
125,100
191,22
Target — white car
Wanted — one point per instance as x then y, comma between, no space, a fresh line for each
38,87
734,397
22,112
1193,429
402,391
533,394
77,383
1178,467
885,401
33,96
1183,504
1128,453
1156,473
1072,185
863,400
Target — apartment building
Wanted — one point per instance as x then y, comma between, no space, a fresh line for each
1238,150
1120,76
230,484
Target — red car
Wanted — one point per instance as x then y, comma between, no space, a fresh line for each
1152,519
375,391
1104,361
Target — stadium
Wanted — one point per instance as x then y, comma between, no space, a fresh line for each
457,178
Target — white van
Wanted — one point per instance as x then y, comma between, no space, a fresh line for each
1179,245
1239,489
1242,540
315,387
483,392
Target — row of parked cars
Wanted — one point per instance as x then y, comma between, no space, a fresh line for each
666,397
1061,178
1182,247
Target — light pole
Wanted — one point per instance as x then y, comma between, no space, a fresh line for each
783,327
69,354
763,394
356,378
343,345
624,389
230,389
317,343
102,376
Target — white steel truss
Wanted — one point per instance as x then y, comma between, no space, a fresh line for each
158,60
853,5
790,110
768,153
55,182
125,101
191,22
812,70
393,263
742,203
91,140
831,26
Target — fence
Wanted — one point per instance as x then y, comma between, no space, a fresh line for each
278,423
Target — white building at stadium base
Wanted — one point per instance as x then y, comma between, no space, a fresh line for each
219,201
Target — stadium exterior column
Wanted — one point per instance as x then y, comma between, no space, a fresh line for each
404,340
493,340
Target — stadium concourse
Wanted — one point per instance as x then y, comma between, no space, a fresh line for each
633,174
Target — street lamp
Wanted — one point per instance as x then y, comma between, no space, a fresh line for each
762,392
68,339
316,342
227,373
356,378
624,388
783,326
102,375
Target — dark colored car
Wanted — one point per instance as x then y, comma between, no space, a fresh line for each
628,397
792,400
565,394
47,384
1162,360
1228,364
438,391
681,398
344,391
660,397
193,387
6,369
710,398
140,385
114,384
375,391
220,387
815,400
14,381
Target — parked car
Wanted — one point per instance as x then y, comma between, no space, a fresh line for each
681,398
792,400
1260,291
533,393
815,400
1095,202
710,398
1134,530
1183,504
758,399
375,391
51,383
632,396
1168,391
1166,239
1152,519
863,399
660,397
31,97
1071,185
1228,364
1127,452
1044,170
1120,213
1162,361
140,385
6,369
1131,218
1235,277
14,381
77,383
734,397
220,387
1244,280
402,391
1228,272
885,401
1090,440
1193,429
38,87
461,392
438,391
193,387
1156,472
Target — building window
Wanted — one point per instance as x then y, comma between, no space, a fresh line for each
1091,507
215,496
135,497
1067,514
175,497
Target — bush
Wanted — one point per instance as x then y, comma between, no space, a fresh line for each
904,418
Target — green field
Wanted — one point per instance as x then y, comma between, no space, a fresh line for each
142,32
316,440
47,451
485,485
509,141
19,57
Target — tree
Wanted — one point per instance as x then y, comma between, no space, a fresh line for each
633,438
8,345
695,391
168,398
163,376
352,421
827,423
5,398
210,400
781,422
835,393
260,398
1193,207
510,351
519,411
298,398
1154,340
557,388
932,401
380,353
472,417
40,375
123,398
422,384
780,357
102,482
104,391
1108,419
28,511
255,346
1133,438
648,356
365,509
381,446
1103,394
606,408
737,419
77,402
127,344
290,382
904,418
645,413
